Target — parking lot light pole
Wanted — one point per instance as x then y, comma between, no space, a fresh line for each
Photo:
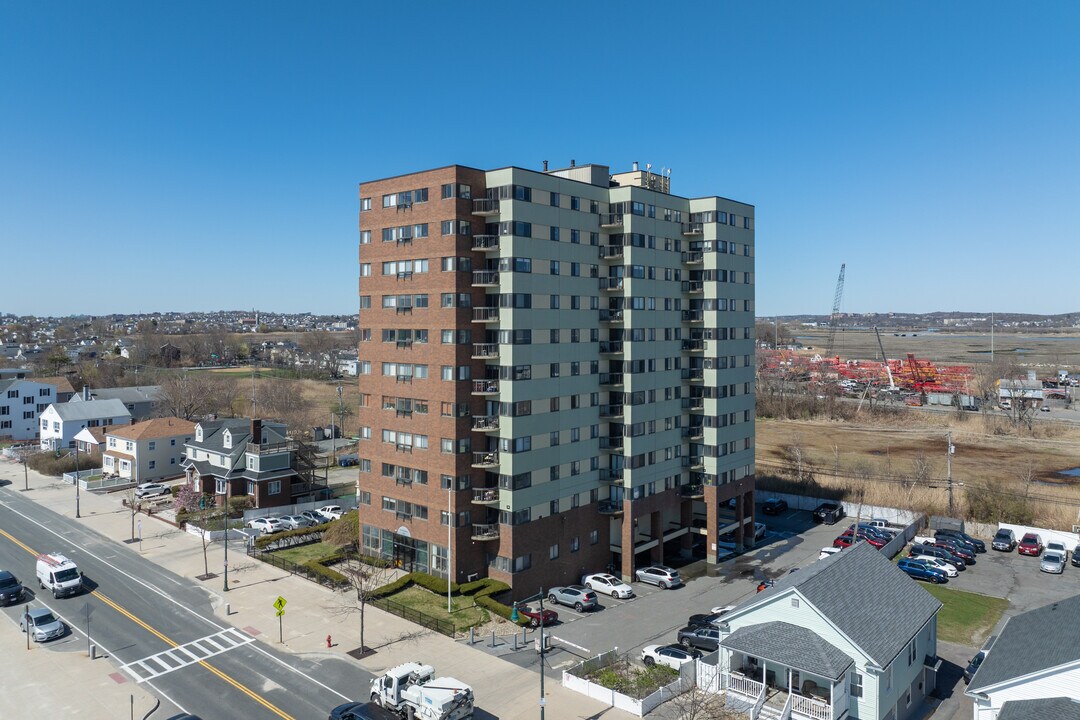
77,515
225,586
539,595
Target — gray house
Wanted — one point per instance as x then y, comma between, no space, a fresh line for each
850,636
141,400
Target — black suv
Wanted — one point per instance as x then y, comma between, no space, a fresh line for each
11,590
978,545
828,513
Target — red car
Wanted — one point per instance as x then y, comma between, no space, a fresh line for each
844,540
1030,544
550,616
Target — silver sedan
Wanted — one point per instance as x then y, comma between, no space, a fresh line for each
1052,563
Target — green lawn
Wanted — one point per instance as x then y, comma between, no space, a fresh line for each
301,554
465,612
966,617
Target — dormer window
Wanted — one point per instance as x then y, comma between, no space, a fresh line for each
198,433
227,439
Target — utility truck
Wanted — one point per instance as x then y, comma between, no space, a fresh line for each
413,692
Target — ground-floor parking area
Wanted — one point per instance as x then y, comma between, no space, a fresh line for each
792,541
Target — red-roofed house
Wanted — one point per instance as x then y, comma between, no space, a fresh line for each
147,451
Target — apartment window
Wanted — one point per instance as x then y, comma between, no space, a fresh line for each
365,204
28,415
652,211
554,302
553,551
594,537
152,446
575,544
856,686
575,237
447,227
554,336
554,370
575,202
554,199
554,267
365,302
365,237
553,439
446,372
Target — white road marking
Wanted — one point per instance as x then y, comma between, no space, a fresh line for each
574,645
142,671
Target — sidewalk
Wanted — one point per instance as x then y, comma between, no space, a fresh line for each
503,690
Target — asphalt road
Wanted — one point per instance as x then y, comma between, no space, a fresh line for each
139,610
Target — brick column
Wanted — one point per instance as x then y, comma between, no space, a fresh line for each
656,555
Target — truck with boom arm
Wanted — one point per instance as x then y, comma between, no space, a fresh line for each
413,692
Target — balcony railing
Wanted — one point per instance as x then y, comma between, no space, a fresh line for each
692,491
694,286
485,496
611,252
610,507
270,448
611,347
485,278
693,257
485,243
485,423
610,411
811,708
611,378
693,344
693,403
694,462
485,459
485,350
611,316
611,284
744,686
485,531
693,315
694,431
611,443
610,220
611,474
485,314
485,387
693,228
485,206
693,374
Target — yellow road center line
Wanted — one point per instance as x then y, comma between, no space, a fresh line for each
168,641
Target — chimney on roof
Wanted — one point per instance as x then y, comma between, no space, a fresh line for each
573,163
256,431
85,392
545,166
635,166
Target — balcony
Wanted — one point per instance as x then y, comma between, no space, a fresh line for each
611,220
485,278
486,459
693,315
403,411
694,492
611,411
404,240
403,447
485,496
694,462
610,507
693,432
693,374
693,345
611,475
611,379
611,444
404,378
485,531
485,314
611,252
694,286
611,316
692,228
270,448
402,309
694,257
485,387
485,351
403,479
611,347
485,206
405,275
404,344
485,423
485,243
611,284
693,403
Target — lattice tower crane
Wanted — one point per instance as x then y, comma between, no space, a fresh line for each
834,318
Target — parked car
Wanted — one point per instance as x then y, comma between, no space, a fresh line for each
710,618
703,637
759,531
671,655
292,522
151,489
43,625
845,540
880,532
980,546
827,551
574,596
1052,562
660,575
946,567
348,460
314,517
1030,544
1058,549
774,506
958,542
921,550
880,523
361,711
975,662
330,512
609,585
1076,556
11,590
957,548
1005,540
267,525
920,570
550,616
829,513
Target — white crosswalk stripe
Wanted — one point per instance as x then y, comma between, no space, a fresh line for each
195,651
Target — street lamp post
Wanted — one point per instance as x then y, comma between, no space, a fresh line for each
77,515
449,539
514,618
225,586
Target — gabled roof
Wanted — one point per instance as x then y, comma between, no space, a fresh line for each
1030,642
866,597
62,384
1057,708
790,645
128,395
91,410
156,428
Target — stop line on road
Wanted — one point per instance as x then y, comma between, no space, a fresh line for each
187,654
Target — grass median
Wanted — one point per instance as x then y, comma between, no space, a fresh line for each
966,617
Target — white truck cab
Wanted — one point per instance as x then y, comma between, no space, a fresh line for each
412,691
57,573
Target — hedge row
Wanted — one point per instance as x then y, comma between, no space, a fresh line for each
318,567
263,541
481,590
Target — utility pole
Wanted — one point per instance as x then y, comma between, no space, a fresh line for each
225,586
77,480
948,458
449,538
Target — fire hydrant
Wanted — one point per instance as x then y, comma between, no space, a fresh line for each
328,643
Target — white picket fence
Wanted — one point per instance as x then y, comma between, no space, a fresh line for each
639,707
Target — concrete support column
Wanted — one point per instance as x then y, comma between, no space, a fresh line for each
686,520
656,518
628,534
712,527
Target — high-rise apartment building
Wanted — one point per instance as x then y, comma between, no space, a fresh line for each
556,372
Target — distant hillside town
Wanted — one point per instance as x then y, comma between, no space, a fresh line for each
956,320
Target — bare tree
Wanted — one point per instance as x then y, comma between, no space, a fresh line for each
192,395
365,579
795,453
191,501
700,704
284,400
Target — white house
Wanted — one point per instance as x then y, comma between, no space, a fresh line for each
147,451
850,636
61,422
1036,657
21,403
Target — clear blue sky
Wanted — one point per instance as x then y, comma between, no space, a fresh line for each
205,155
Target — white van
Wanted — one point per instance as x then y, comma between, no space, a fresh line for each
57,573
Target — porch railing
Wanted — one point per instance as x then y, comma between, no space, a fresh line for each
804,707
759,703
744,685
785,714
